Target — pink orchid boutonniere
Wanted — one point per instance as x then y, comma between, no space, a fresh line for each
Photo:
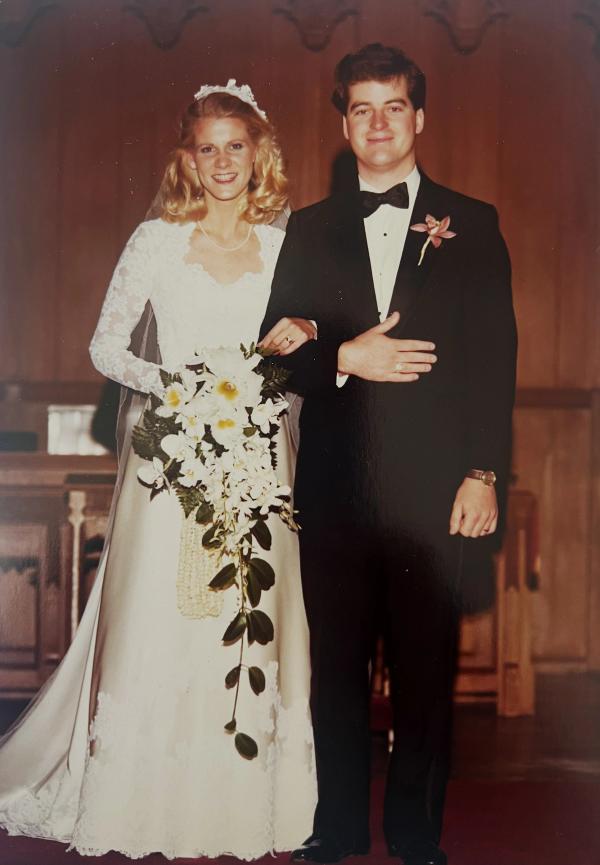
437,230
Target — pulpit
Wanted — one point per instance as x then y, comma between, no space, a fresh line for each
53,515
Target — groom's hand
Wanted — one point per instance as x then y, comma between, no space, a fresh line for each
475,510
376,357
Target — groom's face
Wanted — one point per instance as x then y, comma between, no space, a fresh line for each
381,125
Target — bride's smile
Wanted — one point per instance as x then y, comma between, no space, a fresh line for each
223,156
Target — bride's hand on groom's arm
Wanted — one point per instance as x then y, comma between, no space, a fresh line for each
376,357
475,510
288,335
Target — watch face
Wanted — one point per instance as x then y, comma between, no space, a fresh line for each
489,478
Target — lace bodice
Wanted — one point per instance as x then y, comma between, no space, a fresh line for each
192,309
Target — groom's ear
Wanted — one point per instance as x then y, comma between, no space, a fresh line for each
345,128
419,121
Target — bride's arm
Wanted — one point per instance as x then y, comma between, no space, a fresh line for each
125,300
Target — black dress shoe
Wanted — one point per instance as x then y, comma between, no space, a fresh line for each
325,851
426,853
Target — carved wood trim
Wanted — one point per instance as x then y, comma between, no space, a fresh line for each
315,20
466,20
17,17
165,20
588,11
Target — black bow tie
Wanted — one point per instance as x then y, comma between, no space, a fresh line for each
397,196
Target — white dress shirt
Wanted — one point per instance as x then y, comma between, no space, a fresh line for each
386,231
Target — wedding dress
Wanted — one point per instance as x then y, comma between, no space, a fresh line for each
155,770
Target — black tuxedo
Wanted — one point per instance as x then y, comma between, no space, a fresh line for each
378,469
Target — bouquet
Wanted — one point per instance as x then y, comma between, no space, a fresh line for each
211,440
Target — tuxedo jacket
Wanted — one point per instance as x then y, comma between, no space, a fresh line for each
392,455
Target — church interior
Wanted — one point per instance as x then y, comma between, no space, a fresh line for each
90,96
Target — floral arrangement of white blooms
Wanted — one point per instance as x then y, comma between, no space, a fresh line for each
211,439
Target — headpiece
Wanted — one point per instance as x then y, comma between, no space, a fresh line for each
244,93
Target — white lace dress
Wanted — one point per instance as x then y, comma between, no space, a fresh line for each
155,770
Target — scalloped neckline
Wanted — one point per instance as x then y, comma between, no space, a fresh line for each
248,274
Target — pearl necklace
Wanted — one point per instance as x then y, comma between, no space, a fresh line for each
226,248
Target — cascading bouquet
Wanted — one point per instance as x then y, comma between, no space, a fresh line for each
211,439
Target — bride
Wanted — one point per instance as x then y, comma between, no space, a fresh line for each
124,749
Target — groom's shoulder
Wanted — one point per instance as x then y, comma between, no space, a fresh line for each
465,205
319,213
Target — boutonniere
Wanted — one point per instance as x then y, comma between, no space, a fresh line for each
437,229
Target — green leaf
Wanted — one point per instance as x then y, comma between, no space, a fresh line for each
143,443
260,627
165,377
209,539
204,514
254,589
236,628
261,532
232,677
257,679
246,746
225,577
231,725
189,498
263,572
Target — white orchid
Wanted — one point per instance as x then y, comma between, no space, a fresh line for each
153,474
273,498
192,472
228,428
178,447
229,363
176,395
266,413
231,379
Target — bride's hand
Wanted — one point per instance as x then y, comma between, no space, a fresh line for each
288,335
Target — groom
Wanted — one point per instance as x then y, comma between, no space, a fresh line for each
405,433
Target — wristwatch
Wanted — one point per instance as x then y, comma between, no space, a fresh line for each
486,477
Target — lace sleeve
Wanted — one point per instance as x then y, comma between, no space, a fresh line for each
127,294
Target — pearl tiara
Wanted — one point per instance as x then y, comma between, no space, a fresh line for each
244,93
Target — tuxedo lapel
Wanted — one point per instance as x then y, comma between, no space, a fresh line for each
412,277
352,254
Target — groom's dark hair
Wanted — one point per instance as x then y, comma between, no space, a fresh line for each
377,62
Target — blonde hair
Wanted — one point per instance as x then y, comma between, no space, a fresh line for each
181,197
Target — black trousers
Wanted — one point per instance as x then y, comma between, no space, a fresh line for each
358,582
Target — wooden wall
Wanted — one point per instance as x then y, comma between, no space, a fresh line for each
90,91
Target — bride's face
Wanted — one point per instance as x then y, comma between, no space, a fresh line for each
223,155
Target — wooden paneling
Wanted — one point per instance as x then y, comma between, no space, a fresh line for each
552,458
513,122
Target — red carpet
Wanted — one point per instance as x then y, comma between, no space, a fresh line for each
487,823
